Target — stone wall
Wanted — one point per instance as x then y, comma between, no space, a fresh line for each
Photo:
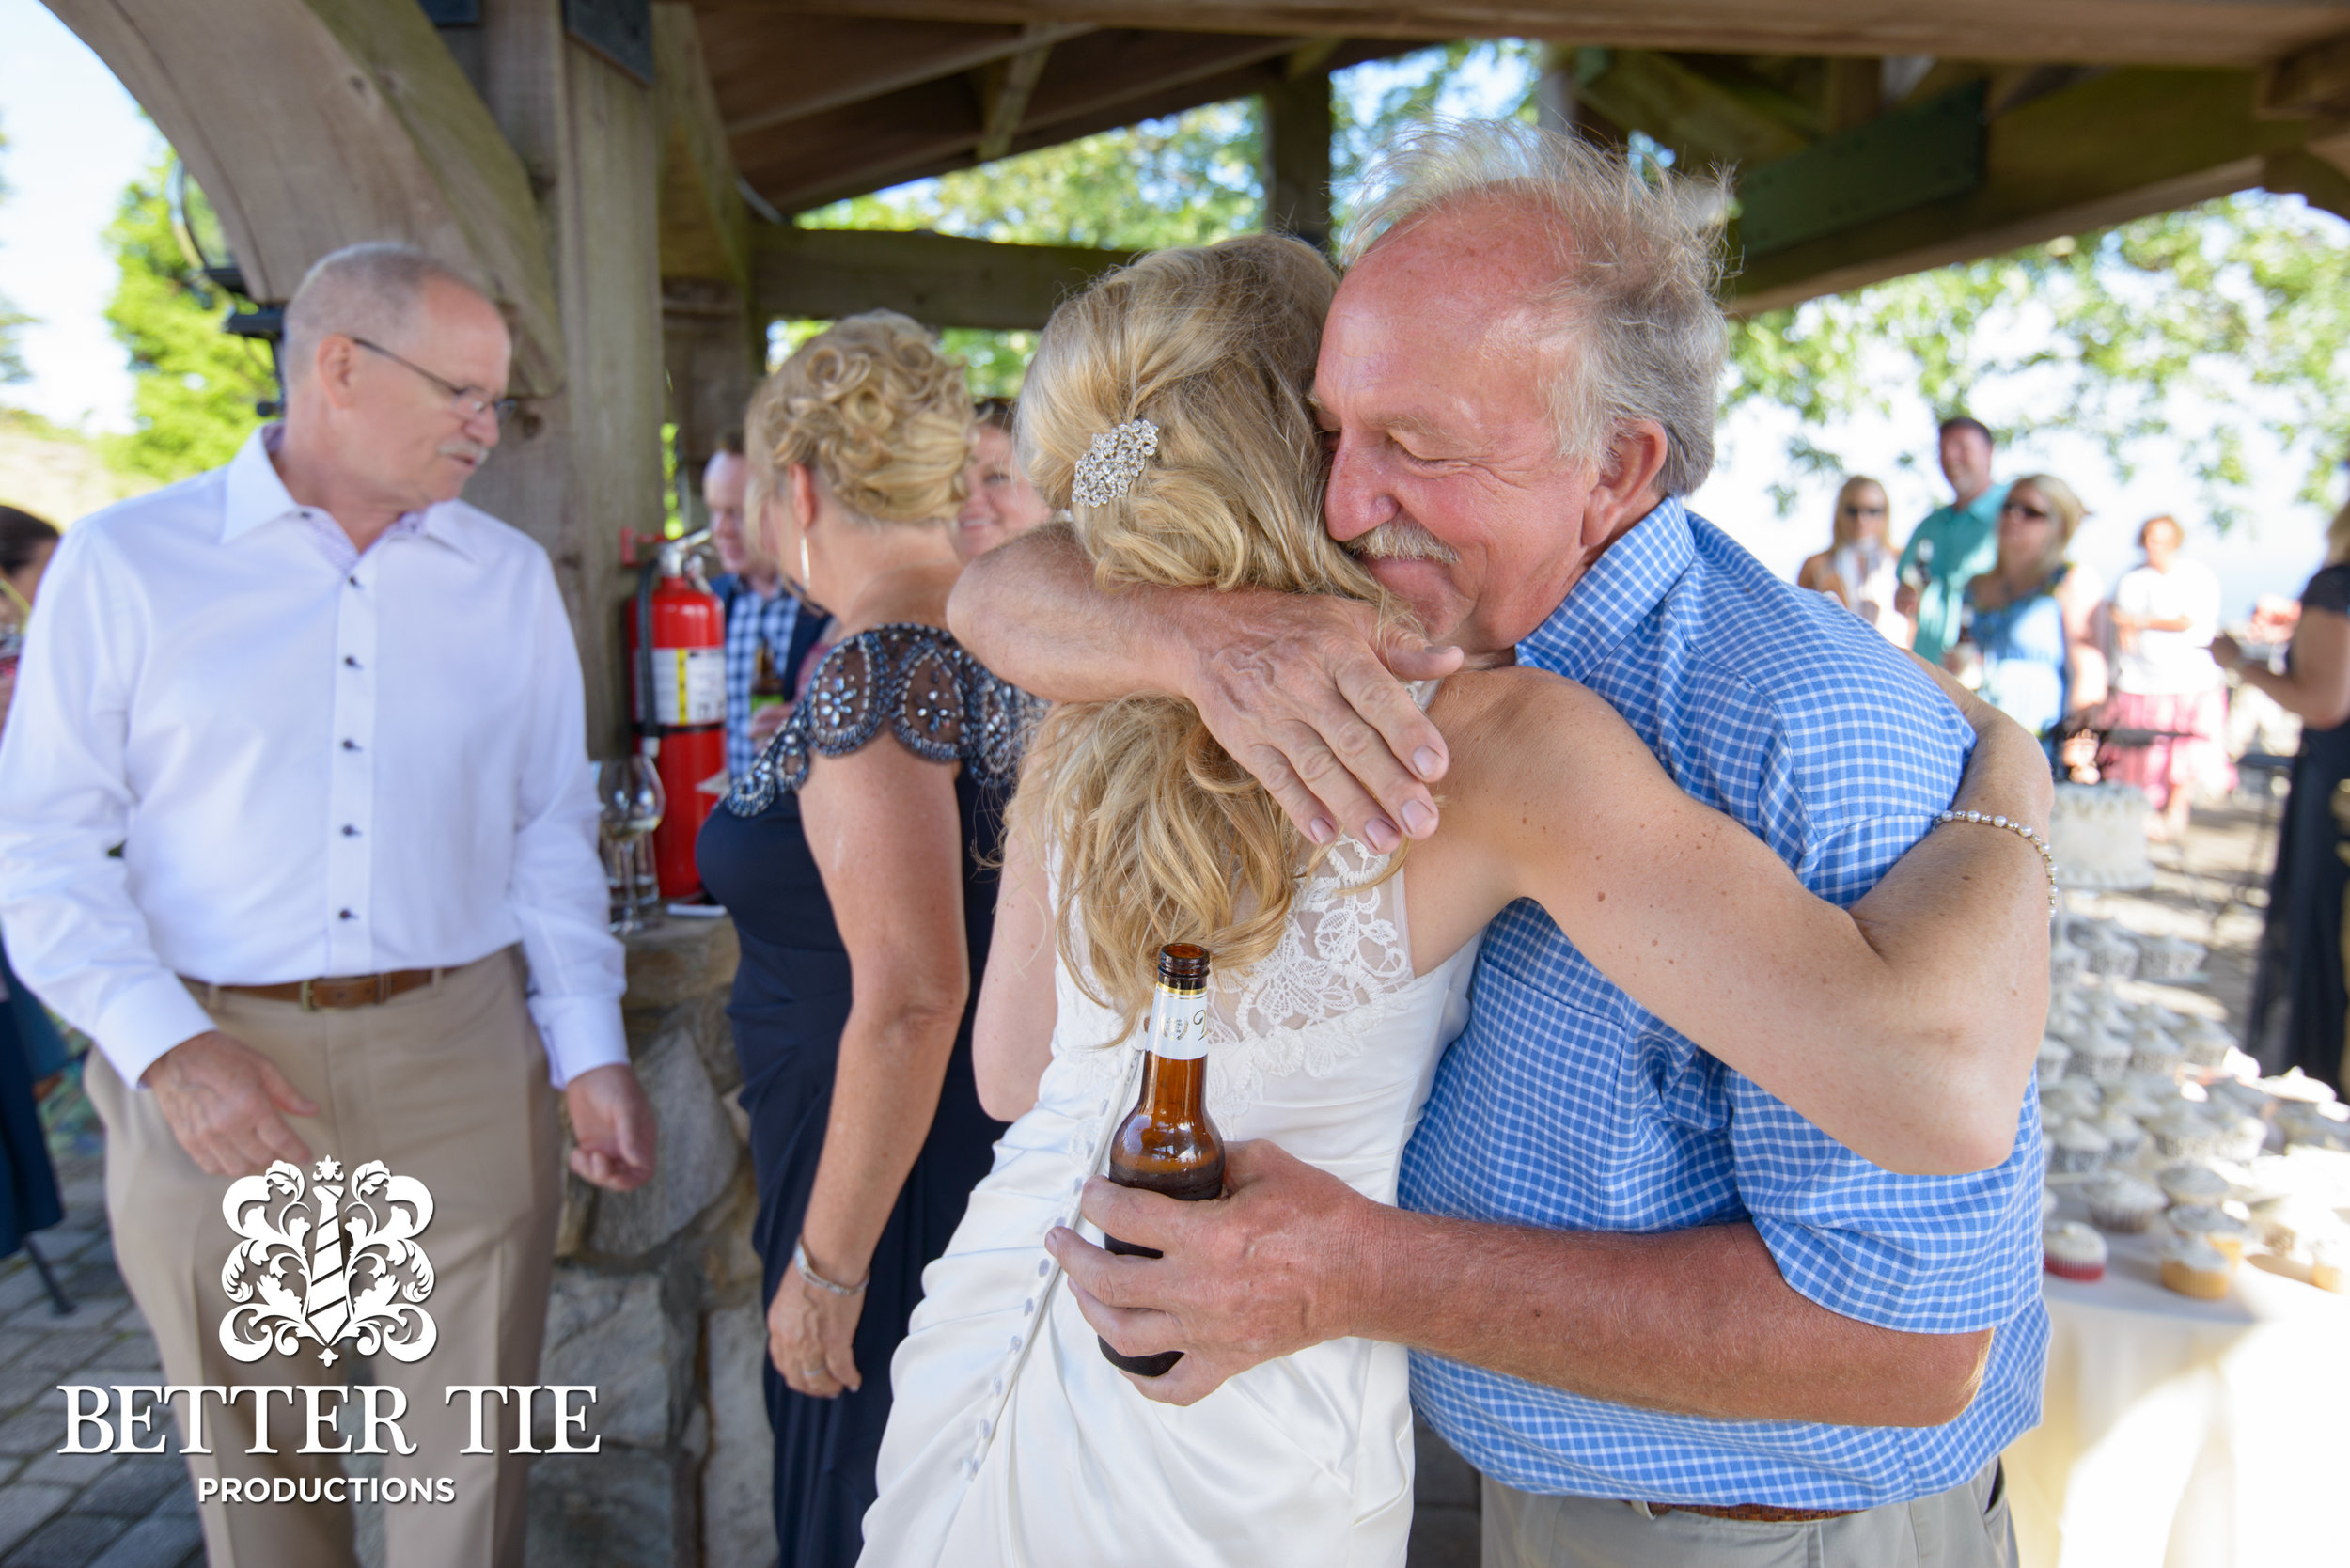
656,1302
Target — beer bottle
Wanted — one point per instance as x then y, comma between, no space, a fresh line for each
767,688
1167,1144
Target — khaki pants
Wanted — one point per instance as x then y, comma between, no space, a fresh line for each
1966,1526
448,1084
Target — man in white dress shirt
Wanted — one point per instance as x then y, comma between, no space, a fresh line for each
332,717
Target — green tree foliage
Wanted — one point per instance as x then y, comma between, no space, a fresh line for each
194,386
12,320
2197,330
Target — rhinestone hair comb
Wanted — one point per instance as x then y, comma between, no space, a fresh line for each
1114,461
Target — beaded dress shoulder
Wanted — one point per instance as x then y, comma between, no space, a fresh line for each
912,680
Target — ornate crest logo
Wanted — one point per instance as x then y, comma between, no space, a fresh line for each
337,1261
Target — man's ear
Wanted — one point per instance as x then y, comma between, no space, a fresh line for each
1624,490
334,366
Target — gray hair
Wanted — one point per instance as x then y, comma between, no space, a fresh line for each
366,290
1638,260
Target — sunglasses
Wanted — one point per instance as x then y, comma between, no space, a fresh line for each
2037,514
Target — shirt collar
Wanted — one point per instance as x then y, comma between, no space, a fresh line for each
1615,595
257,495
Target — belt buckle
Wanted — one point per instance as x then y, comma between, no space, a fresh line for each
307,1004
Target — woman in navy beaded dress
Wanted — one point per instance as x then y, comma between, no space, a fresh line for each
857,859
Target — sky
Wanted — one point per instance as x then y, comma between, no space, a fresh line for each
76,138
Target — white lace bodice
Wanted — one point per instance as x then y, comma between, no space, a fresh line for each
1339,979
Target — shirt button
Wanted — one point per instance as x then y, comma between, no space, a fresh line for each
350,831
350,661
355,582
346,915
350,745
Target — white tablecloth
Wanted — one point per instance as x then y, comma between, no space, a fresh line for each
2186,1434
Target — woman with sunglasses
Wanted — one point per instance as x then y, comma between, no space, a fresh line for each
1857,568
2030,617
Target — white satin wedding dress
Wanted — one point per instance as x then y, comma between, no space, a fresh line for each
1013,1444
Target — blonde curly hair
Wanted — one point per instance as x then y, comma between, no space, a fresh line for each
881,416
1160,836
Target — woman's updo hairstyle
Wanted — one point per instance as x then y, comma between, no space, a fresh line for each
1160,836
880,415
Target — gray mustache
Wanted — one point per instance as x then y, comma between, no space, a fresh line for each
463,449
1400,539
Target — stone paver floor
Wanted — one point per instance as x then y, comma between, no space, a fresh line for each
81,1511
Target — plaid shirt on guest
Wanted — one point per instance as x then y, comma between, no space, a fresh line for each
752,618
1567,1104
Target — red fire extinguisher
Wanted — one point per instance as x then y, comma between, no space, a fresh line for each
677,647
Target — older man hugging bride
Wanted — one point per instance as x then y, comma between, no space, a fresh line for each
1713,1233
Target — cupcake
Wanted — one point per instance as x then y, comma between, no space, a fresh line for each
2054,1053
2123,1204
2169,958
2305,1125
2194,1267
2072,1251
2287,1224
2124,1133
2160,1088
2238,1095
2329,1260
2134,1102
2210,1223
2191,1181
2184,1133
2206,1043
2066,1099
2048,1204
2068,961
2100,1058
2077,1147
2152,1051
2241,1137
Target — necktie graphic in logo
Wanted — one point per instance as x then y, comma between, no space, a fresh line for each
330,1262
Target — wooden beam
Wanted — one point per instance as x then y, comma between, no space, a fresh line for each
2108,151
1297,130
368,130
1851,94
781,68
2311,81
1005,88
2320,181
1088,83
1701,120
2101,32
938,279
705,232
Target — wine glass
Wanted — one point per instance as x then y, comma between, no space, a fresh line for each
629,803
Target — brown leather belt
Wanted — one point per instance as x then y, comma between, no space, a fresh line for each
1756,1512
337,992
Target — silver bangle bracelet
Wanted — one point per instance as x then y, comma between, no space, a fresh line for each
2048,858
799,1260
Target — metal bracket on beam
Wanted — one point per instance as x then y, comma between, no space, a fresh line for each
1889,165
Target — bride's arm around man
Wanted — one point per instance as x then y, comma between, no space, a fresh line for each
1635,1275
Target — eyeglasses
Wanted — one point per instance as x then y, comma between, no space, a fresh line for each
2037,514
472,402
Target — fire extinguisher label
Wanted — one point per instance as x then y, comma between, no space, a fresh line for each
688,685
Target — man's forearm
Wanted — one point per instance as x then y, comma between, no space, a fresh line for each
1029,611
1697,1321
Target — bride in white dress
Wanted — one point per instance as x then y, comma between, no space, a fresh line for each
1012,1440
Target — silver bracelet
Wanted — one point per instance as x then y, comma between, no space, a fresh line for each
799,1260
2048,858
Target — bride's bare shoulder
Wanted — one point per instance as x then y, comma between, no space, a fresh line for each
1516,733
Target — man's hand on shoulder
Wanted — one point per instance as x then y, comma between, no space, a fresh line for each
1264,1271
228,1104
612,1128
1306,692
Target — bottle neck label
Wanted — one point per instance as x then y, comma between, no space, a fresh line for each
1179,1024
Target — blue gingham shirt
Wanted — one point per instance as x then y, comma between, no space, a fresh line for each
1566,1104
752,618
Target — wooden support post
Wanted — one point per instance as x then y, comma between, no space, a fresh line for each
705,343
1853,94
1005,86
1297,133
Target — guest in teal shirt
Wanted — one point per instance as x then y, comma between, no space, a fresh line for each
1955,544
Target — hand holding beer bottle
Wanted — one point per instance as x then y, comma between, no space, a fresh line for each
1167,1144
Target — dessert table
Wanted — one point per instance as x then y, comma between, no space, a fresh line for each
2186,1434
